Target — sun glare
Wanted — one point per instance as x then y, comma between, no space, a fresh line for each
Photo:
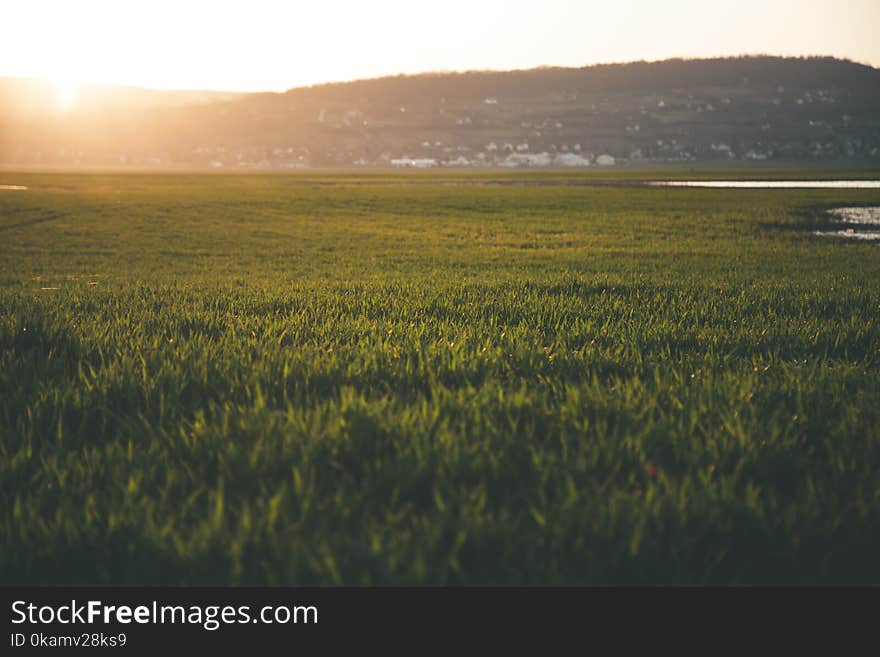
270,45
66,95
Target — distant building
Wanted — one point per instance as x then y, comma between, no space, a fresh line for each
417,162
571,160
460,161
528,160
605,160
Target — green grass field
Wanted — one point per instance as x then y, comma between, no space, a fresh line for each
428,379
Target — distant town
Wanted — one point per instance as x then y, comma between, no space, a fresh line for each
703,111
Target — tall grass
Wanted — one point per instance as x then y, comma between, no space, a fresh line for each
303,380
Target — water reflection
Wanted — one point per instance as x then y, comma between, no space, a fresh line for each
850,234
853,219
866,216
771,184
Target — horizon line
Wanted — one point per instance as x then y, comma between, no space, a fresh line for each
433,72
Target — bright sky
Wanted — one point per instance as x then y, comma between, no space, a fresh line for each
278,44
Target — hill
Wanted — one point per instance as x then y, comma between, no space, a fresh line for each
688,111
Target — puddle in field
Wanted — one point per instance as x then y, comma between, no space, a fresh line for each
863,216
853,222
771,184
13,187
849,233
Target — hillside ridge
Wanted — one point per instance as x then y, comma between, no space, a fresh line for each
749,108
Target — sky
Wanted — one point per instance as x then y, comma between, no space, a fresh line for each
279,44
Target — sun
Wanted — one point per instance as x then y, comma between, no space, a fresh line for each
66,95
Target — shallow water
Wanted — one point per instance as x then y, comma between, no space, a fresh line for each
865,216
850,234
772,184
854,218
13,187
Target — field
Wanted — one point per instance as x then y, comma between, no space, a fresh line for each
443,379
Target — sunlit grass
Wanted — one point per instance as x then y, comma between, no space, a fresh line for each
288,380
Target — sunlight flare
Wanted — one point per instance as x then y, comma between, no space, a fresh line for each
66,95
